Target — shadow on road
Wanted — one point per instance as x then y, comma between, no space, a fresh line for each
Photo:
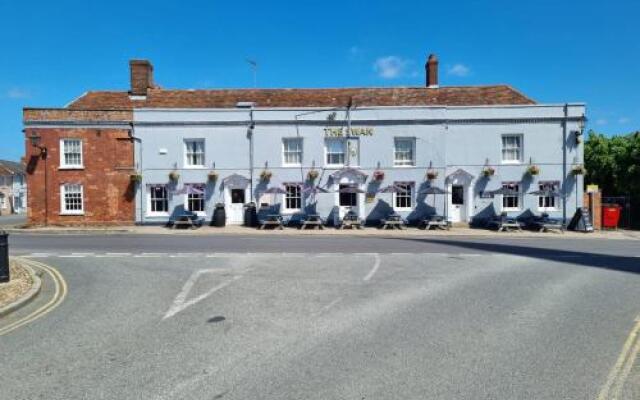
605,261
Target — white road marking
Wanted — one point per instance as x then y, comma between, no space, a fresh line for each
180,302
620,371
39,255
71,256
376,265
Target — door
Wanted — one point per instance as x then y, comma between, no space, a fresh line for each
235,206
458,209
347,201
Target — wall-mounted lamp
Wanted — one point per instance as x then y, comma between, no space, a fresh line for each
35,142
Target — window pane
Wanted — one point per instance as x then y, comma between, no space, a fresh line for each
292,151
404,195
159,201
72,197
511,147
293,197
511,201
335,151
72,152
194,152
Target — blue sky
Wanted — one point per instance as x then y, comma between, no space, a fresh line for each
553,51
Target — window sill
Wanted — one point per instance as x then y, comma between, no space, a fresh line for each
402,209
194,167
547,209
291,211
157,215
67,213
404,166
291,165
67,167
507,162
511,209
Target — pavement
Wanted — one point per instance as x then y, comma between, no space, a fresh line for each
325,317
13,220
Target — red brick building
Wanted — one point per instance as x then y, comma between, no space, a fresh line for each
72,151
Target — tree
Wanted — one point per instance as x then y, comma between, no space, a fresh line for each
613,163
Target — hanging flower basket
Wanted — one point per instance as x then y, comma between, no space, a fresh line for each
174,176
488,171
266,175
135,178
378,175
432,174
312,175
213,176
533,170
578,170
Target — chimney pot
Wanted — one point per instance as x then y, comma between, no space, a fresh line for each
431,68
141,77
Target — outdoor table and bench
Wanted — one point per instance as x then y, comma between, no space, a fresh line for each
350,220
274,220
188,220
544,224
393,221
313,221
506,224
434,222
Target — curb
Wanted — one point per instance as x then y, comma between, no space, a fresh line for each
27,297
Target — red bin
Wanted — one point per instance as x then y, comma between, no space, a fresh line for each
610,215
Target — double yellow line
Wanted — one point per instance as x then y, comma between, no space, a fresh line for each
620,371
58,297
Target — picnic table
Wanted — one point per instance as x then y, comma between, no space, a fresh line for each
393,221
274,220
434,222
544,224
506,224
189,220
350,220
313,221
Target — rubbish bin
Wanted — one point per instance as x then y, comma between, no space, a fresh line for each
250,215
219,216
4,256
610,215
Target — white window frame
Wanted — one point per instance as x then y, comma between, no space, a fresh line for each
286,195
411,196
518,197
188,154
404,163
520,137
157,213
555,199
204,200
326,151
3,201
63,203
63,162
285,151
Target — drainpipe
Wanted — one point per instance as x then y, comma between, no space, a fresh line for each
137,139
349,131
564,163
250,133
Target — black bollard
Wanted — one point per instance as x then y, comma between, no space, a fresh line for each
4,257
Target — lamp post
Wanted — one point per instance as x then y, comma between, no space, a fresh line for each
35,142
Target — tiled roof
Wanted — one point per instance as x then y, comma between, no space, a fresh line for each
228,98
10,167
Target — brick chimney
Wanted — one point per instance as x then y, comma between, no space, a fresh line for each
431,68
141,77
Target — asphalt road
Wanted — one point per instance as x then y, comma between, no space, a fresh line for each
325,318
